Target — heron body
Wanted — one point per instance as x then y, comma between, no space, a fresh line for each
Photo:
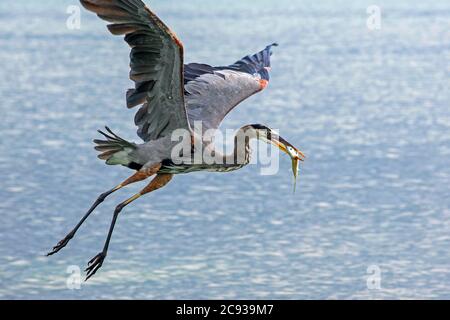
225,163
173,96
172,168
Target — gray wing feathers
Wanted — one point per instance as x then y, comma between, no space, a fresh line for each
211,96
156,62
212,92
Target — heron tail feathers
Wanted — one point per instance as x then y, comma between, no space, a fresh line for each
114,150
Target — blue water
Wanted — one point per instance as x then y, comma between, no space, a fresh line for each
369,108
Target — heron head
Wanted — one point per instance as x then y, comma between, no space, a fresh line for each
270,136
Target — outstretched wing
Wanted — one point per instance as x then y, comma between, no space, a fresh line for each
156,62
212,92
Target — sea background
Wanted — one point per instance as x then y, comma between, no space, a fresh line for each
370,108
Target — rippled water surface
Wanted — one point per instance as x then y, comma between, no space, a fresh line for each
370,109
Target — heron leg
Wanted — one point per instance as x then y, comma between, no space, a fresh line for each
138,176
95,263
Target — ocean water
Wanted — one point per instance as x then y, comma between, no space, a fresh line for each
370,108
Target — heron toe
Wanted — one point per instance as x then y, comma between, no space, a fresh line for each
61,244
94,264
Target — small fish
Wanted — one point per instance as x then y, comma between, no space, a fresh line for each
295,170
295,157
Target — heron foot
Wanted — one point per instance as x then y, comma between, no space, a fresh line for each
61,244
94,264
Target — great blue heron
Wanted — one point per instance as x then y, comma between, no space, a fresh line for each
173,96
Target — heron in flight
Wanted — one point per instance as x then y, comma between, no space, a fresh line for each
172,96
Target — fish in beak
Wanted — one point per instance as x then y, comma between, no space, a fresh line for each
268,135
295,154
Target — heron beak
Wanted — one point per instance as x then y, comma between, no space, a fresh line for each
283,145
295,154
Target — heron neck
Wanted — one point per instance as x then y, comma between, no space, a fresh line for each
241,152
